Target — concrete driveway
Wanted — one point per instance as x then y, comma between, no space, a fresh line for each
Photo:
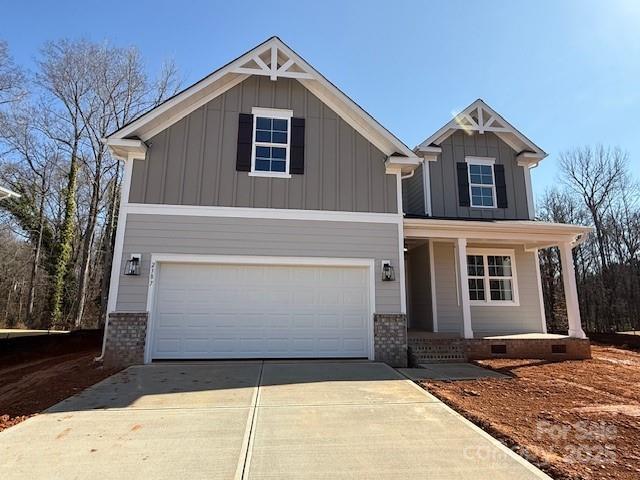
321,420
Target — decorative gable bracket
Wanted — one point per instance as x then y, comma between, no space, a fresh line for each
479,120
273,62
479,117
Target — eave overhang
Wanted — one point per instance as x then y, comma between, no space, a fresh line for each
126,148
531,234
401,164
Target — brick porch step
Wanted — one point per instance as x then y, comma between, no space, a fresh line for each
429,350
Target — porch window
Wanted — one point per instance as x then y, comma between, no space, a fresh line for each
491,277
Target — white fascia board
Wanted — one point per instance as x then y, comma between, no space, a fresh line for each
430,149
373,125
225,84
186,93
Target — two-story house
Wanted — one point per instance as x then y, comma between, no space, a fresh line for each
264,214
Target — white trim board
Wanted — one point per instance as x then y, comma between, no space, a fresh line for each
401,258
543,315
267,213
116,258
432,277
256,260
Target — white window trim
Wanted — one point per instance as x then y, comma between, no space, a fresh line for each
271,113
487,302
482,161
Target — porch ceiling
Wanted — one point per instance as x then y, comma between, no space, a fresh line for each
529,233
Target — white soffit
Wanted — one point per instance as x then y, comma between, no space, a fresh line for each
272,59
480,117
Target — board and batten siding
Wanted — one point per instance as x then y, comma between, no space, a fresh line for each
487,320
444,184
147,234
413,193
193,162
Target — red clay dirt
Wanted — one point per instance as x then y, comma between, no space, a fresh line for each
575,419
35,383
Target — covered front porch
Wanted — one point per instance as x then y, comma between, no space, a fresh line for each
479,281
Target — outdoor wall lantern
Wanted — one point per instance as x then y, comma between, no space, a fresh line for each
388,274
133,264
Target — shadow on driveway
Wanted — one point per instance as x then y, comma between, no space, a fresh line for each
234,384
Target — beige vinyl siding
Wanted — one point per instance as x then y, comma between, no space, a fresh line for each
193,162
488,320
148,234
444,182
525,318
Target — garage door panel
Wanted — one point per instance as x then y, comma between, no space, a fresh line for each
354,322
303,323
299,298
260,311
168,345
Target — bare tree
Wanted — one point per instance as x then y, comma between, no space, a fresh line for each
120,91
12,78
596,175
65,77
51,143
34,160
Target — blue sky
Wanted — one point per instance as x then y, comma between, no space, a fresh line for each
566,73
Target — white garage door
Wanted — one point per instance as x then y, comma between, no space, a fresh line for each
260,311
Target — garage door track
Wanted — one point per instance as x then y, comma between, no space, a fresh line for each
320,420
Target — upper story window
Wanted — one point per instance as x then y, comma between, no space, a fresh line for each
492,277
482,184
271,142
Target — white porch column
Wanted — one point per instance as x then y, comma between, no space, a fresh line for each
461,260
571,291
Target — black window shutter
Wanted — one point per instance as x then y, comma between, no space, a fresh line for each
245,134
463,184
501,186
296,154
